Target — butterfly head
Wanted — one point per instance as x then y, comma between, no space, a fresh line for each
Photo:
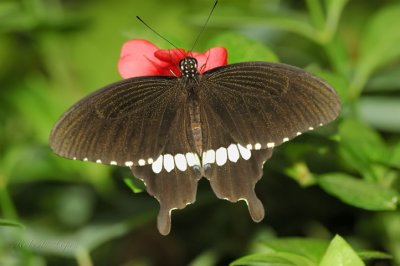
188,66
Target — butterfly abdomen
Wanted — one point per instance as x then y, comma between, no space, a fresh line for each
195,125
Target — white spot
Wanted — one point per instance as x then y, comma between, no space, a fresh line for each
192,159
285,139
98,161
320,124
73,158
169,162
150,160
85,159
113,163
249,146
244,152
233,153
208,157
157,165
129,163
270,144
221,156
180,162
310,128
257,146
298,133
141,162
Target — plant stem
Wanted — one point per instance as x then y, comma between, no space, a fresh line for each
337,56
316,13
83,258
357,85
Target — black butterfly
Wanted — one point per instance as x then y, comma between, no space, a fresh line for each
222,124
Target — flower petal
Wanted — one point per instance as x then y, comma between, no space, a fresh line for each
171,56
171,59
212,58
140,57
137,59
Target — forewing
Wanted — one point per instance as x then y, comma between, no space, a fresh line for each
125,123
264,104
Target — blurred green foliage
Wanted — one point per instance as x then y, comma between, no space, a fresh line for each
342,179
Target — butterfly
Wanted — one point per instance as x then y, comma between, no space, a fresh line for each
171,131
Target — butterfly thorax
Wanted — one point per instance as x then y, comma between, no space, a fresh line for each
188,66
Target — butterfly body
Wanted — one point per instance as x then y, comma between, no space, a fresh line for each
222,124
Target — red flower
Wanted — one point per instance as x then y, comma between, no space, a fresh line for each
142,58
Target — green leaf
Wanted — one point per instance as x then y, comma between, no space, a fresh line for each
301,174
209,257
387,228
334,10
241,48
373,255
379,45
47,241
7,7
13,17
316,13
359,193
380,112
337,53
295,22
335,6
361,148
273,259
312,249
340,253
5,222
380,42
134,184
385,81
395,156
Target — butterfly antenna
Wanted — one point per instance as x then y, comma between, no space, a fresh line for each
204,26
158,34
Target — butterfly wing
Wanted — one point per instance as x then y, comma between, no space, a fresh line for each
259,106
124,123
233,170
172,178
141,123
246,110
265,104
